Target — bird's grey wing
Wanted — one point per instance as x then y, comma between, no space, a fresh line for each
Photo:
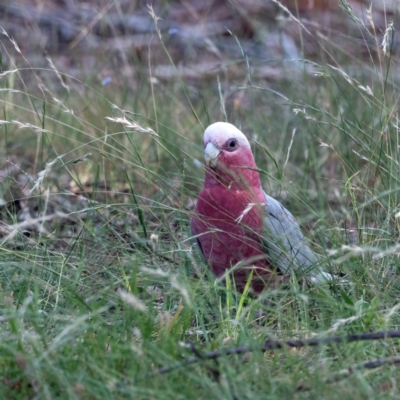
285,244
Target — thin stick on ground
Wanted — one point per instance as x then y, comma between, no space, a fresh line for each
347,372
277,344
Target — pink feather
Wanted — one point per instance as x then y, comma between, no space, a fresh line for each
228,220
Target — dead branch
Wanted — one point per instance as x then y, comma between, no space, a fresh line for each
347,372
277,344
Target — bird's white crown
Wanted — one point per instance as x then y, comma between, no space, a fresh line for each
219,132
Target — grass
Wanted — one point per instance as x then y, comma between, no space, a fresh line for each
100,283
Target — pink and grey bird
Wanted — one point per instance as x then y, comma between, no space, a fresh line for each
238,227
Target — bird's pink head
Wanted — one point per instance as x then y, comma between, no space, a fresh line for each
228,156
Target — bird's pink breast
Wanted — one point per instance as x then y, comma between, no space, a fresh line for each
224,240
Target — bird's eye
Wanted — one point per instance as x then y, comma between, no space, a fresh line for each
231,144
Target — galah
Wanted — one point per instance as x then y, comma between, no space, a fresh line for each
238,227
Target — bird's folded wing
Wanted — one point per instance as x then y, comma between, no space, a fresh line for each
285,244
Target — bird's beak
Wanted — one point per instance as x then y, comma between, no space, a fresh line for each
211,154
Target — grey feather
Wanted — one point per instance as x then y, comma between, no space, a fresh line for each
285,244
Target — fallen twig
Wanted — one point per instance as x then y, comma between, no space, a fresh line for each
347,372
369,364
277,344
